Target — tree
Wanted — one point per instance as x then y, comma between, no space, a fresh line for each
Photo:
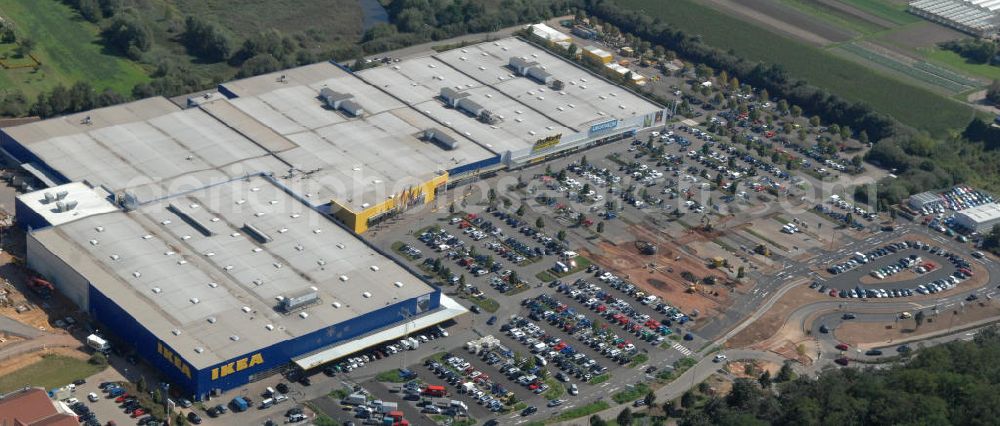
993,93
649,399
260,64
919,318
24,47
180,420
539,223
814,121
600,227
785,373
863,137
461,280
741,273
561,235
140,385
520,210
765,379
128,36
451,208
206,40
687,399
624,417
89,10
796,111
991,241
596,420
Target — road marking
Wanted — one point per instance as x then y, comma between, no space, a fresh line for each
680,348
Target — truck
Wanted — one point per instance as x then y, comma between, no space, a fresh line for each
355,399
435,390
386,406
239,404
98,343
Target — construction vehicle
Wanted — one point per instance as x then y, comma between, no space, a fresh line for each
762,250
646,247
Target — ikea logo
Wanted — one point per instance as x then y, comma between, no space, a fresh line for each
173,359
237,365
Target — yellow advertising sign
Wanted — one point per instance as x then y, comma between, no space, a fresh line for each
237,365
173,359
548,142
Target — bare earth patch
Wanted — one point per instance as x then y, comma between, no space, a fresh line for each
868,334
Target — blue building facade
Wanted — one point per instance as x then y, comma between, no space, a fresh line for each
256,364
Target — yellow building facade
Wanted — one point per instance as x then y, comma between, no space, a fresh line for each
360,221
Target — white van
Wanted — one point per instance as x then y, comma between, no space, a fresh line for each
541,361
266,403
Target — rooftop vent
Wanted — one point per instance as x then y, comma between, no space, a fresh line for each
114,257
194,300
246,309
336,305
157,290
211,320
367,295
374,268
269,327
99,229
303,315
199,349
136,274
213,285
343,278
93,242
176,332
234,338
398,284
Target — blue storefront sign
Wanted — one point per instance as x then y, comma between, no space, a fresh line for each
605,126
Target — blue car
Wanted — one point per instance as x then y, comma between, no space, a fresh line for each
492,320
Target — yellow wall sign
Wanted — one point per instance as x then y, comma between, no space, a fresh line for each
237,365
547,142
173,359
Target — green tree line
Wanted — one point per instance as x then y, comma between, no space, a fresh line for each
957,383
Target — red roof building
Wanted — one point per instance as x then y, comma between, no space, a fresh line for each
32,407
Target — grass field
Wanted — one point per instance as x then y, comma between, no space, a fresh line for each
910,104
959,63
51,372
885,10
331,20
66,46
833,16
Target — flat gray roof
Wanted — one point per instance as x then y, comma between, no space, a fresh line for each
135,144
358,161
176,281
586,98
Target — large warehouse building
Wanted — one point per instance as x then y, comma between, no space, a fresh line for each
976,17
225,284
979,219
218,237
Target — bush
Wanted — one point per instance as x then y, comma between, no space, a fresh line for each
98,359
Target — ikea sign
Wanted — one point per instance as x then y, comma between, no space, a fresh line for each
605,126
237,365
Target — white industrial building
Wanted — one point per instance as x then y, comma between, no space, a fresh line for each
976,17
981,218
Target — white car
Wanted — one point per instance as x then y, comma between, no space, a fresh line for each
720,358
92,397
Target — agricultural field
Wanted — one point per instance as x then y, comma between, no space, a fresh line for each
908,102
67,48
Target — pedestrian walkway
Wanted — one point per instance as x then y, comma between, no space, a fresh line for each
680,348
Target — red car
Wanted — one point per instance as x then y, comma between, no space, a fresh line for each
833,293
122,398
843,347
138,412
